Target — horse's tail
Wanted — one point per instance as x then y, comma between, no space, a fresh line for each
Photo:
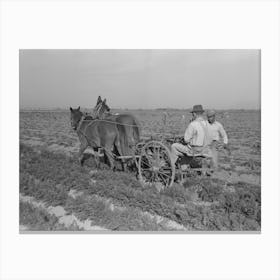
123,140
119,145
136,131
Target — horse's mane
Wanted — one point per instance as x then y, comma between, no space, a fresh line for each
89,117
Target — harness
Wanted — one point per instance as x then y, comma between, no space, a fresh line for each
89,141
107,121
99,110
90,122
81,132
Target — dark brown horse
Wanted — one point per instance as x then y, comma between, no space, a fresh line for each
128,126
96,133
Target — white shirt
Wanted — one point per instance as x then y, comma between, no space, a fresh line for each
195,134
216,131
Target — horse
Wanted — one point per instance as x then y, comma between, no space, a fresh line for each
127,125
96,133
101,109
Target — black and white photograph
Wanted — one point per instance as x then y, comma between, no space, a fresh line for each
140,140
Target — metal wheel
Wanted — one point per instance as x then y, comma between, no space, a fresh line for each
155,166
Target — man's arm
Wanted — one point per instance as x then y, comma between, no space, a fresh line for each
223,134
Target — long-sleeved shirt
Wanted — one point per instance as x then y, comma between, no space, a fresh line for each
196,133
216,131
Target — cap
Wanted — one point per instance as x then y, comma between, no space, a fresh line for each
211,113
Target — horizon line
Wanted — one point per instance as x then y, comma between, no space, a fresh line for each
159,108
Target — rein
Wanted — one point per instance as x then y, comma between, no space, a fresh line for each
83,120
107,121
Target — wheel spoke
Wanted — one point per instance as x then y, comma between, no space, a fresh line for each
146,169
149,157
145,165
146,161
162,178
164,174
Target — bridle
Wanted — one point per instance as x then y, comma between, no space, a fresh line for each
77,125
80,123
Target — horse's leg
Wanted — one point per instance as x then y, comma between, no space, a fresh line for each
107,144
83,146
96,157
109,157
129,139
119,150
124,165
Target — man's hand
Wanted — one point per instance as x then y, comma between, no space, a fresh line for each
181,140
226,147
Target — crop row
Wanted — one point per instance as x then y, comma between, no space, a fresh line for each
39,219
238,210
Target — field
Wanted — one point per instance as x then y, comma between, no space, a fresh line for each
57,194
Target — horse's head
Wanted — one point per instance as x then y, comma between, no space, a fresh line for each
98,100
101,108
76,116
106,108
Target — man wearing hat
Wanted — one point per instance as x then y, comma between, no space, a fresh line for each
216,131
196,138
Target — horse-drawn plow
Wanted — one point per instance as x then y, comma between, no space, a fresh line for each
117,138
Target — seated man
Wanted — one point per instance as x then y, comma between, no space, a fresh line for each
196,138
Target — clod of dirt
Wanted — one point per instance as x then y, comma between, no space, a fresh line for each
74,194
92,182
58,211
93,172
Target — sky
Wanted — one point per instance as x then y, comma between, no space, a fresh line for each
147,79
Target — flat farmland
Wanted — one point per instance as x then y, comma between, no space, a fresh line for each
56,193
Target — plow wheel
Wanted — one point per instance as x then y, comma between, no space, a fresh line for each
155,167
